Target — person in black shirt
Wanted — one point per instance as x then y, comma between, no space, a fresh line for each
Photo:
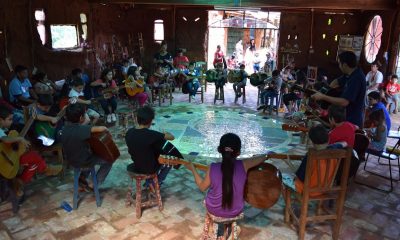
145,146
76,148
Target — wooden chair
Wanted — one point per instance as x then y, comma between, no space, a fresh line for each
243,95
321,169
199,91
219,96
138,195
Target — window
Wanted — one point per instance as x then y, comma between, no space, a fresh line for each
84,25
158,30
373,37
40,18
64,36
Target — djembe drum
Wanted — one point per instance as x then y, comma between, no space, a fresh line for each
234,76
211,75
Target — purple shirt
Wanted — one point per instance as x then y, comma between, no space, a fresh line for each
214,195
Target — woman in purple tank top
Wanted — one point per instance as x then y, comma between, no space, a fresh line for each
226,180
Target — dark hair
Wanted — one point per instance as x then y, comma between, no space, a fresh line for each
163,43
104,73
275,73
375,95
74,112
5,112
395,76
337,113
242,65
125,61
77,82
145,115
377,116
349,58
180,50
76,71
39,76
318,134
131,70
192,63
20,68
229,147
45,100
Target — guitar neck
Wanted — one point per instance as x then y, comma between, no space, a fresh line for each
28,124
175,161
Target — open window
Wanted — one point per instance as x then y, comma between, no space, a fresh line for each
40,18
64,36
158,30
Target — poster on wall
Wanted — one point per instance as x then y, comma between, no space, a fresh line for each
351,43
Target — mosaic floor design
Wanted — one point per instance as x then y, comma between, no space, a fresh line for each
198,128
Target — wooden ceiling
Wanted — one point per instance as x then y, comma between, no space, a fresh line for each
316,4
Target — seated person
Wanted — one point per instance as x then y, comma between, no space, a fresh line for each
76,96
271,90
43,85
375,103
18,115
341,130
20,90
74,138
180,61
30,162
320,138
392,92
159,80
192,81
220,79
378,132
125,67
136,80
145,146
226,180
237,87
109,102
42,109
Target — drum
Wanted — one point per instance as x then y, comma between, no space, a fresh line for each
211,75
256,79
263,186
234,76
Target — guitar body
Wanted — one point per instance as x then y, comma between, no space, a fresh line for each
65,101
132,91
9,157
46,129
263,186
103,146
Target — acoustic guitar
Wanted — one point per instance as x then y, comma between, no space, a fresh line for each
293,128
48,129
103,146
11,153
263,185
131,86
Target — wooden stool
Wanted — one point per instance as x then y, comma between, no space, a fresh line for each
243,95
221,96
138,201
77,173
211,220
201,92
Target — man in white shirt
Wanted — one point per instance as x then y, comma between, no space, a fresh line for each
374,78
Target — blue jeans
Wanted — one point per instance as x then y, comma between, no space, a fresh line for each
161,175
193,86
102,172
105,103
265,95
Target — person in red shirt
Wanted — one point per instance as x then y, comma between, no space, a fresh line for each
180,61
342,130
218,56
392,91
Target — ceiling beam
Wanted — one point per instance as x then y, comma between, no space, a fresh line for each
316,4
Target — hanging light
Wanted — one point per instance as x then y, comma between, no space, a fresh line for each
184,19
197,19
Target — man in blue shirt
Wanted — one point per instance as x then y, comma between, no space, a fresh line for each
353,96
20,89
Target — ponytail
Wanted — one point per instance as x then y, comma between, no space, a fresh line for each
227,169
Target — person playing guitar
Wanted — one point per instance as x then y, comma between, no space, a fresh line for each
192,81
109,103
76,95
135,85
30,161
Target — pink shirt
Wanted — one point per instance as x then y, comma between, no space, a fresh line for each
180,59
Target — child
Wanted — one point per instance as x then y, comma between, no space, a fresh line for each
320,139
31,161
76,95
133,77
145,146
74,138
237,87
342,130
192,80
271,90
378,133
109,101
392,91
220,79
374,100
226,180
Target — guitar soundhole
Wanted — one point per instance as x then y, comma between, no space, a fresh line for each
14,146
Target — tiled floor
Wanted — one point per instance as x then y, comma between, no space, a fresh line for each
369,214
